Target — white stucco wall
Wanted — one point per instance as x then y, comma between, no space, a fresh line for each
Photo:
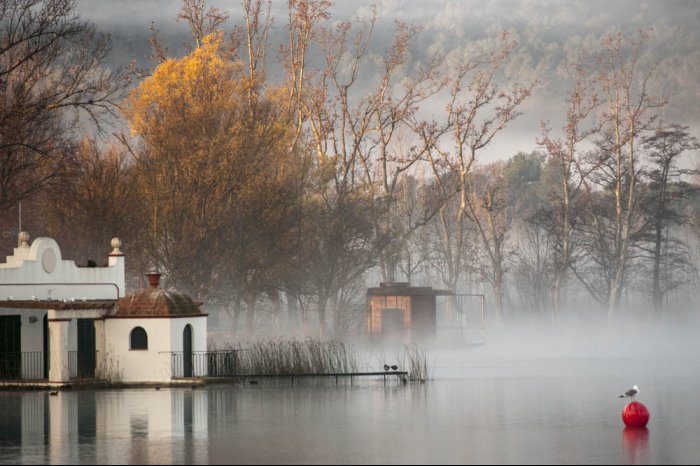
39,272
199,339
32,332
165,336
199,333
125,365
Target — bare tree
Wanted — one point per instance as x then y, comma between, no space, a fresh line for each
493,216
201,22
257,30
51,67
667,191
93,204
357,125
304,21
628,114
533,268
477,110
566,154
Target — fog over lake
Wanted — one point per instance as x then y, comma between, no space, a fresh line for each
523,398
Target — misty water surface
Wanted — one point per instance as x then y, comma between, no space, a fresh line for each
501,403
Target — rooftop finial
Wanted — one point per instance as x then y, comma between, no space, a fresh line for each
23,238
116,244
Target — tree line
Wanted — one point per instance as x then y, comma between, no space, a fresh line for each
289,196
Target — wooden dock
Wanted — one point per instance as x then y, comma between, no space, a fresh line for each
400,375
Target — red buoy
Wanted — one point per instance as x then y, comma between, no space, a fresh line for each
635,414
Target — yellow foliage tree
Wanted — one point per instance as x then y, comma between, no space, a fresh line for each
217,175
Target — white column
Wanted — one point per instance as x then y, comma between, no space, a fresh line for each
58,342
116,260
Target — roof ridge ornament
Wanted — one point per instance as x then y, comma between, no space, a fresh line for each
116,244
23,238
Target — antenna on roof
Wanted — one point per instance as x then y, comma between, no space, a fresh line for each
19,241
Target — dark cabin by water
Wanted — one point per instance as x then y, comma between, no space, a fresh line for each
401,311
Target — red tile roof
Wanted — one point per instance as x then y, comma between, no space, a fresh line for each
156,302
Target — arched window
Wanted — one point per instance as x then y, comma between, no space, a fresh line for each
139,339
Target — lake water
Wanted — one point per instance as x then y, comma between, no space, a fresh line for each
495,408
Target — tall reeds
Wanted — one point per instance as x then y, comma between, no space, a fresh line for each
414,360
294,357
285,357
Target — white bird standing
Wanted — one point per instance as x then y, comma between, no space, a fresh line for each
631,393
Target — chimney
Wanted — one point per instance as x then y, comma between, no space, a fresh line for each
153,279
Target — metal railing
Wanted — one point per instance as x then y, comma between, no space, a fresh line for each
73,364
204,364
28,365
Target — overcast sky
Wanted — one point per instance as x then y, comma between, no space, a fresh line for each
546,31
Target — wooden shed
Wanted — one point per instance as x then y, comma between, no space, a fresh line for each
398,310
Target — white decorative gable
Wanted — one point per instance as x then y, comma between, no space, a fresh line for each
38,272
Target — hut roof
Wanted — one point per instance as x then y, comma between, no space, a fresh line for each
404,289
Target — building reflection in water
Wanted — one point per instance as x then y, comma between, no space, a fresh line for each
106,426
31,412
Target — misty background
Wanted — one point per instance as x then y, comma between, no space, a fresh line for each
278,213
547,32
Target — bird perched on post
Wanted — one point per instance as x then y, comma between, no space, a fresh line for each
394,367
386,367
631,393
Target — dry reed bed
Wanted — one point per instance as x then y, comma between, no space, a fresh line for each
285,357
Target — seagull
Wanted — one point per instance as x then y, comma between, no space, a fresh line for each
630,393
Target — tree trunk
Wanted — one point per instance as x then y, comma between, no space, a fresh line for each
657,294
389,269
294,316
250,298
556,295
322,305
615,290
498,294
274,295
563,265
234,311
